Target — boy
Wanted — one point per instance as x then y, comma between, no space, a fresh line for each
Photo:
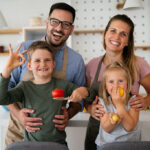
36,93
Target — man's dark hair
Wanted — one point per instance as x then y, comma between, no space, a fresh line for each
63,6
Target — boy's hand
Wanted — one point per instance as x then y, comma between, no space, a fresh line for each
79,94
15,60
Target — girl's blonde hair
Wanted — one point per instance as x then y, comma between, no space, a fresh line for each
113,67
128,52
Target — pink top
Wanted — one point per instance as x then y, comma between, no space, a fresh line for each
91,68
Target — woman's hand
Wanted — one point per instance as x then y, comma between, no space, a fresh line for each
139,102
29,123
96,109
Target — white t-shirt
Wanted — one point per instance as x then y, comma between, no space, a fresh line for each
119,133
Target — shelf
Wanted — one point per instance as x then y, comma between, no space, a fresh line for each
87,31
102,31
5,53
142,47
10,31
33,32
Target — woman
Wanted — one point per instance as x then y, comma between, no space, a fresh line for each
118,42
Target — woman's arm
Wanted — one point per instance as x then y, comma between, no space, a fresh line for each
140,102
95,109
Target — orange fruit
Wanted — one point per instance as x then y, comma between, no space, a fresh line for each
121,92
115,117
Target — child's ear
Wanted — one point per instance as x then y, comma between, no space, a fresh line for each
28,65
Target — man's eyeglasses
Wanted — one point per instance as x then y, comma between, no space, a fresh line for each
55,22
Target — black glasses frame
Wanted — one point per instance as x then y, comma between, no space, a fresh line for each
65,24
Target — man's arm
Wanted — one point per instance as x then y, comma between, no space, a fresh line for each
29,123
61,121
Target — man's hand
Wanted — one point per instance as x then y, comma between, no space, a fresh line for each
61,121
29,122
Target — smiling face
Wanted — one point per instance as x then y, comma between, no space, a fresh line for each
117,36
57,35
41,65
116,79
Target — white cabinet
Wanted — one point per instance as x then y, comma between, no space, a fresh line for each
33,33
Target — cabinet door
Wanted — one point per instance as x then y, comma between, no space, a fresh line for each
33,33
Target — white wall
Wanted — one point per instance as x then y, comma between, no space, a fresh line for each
17,14
95,15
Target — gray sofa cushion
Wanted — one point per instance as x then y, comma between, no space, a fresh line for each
36,146
144,145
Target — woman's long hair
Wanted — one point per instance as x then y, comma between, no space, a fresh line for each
128,52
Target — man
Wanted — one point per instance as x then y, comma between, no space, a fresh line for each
69,66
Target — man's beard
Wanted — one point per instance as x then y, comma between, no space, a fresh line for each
56,45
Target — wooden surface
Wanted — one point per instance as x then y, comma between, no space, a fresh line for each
10,31
4,53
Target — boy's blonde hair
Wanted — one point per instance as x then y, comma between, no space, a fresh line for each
38,45
115,66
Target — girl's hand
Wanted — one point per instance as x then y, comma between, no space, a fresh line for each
111,119
15,59
116,97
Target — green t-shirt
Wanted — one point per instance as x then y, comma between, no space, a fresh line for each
39,98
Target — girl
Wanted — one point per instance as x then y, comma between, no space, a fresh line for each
117,76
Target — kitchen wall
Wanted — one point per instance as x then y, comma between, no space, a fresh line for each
17,14
91,15
95,15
